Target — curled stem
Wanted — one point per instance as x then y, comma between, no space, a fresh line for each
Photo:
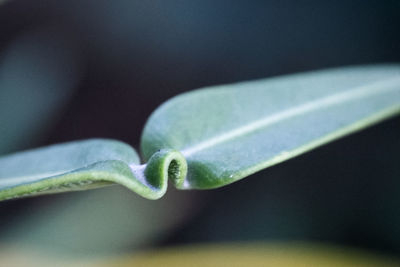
164,165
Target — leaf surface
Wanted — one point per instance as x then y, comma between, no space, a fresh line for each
67,167
231,131
215,136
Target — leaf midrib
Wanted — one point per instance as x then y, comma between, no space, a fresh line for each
354,93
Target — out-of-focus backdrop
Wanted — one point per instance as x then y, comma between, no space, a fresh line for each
80,69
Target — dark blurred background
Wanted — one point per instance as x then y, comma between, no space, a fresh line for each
80,69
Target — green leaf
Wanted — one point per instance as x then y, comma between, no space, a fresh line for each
69,165
212,137
231,131
84,165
